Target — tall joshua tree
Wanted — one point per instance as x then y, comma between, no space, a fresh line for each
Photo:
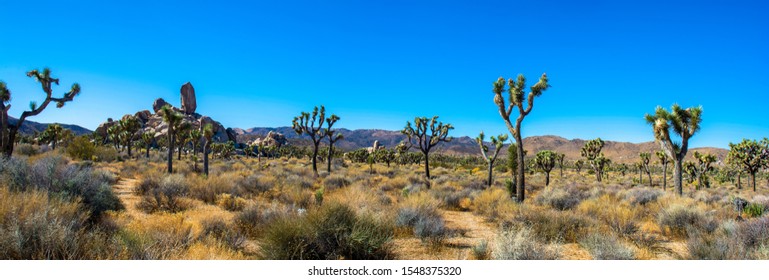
516,91
685,123
333,136
312,125
664,160
9,131
704,162
592,152
578,164
172,119
208,137
545,162
497,142
426,140
645,160
130,125
750,156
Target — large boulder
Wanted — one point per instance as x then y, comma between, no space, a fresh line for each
189,104
143,116
273,139
159,103
102,129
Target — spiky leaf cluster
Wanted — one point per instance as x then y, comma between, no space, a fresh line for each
497,142
545,160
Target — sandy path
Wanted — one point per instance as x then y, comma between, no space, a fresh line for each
467,231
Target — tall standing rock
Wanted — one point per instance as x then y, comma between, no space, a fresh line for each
159,103
189,103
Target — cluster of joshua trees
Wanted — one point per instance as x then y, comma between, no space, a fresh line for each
672,130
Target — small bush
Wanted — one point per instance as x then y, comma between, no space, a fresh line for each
521,244
678,220
167,196
210,189
256,184
560,198
230,202
643,196
753,210
332,232
426,222
481,250
253,219
81,148
335,182
105,154
220,230
606,247
552,225
26,149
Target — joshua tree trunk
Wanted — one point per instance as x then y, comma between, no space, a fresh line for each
664,176
521,180
205,159
677,178
427,168
148,151
753,180
330,154
491,169
170,152
547,178
649,174
179,154
315,159
54,142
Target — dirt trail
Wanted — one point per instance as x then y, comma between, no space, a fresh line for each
124,190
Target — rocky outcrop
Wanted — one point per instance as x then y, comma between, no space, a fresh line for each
153,123
189,103
375,147
273,139
159,103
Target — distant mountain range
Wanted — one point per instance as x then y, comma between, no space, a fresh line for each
622,152
31,127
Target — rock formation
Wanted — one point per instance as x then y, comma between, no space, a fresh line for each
189,104
273,139
153,123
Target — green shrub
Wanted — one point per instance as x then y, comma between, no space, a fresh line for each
606,247
331,232
81,148
166,196
753,210
26,149
521,244
679,220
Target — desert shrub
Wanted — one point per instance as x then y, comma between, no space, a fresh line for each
296,181
643,196
753,210
256,184
754,232
606,247
335,181
209,189
149,182
56,176
223,232
493,204
333,231
474,184
254,219
37,226
167,196
105,154
81,148
480,250
26,149
521,244
552,225
161,237
426,223
618,215
230,202
296,197
679,220
451,198
561,198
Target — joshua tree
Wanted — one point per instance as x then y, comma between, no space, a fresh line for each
639,166
664,160
208,136
332,138
497,142
306,124
148,138
516,93
622,168
9,131
113,132
749,156
578,164
545,162
129,126
704,162
52,133
438,132
172,119
592,152
645,160
182,131
559,158
512,164
691,170
385,155
685,123
194,139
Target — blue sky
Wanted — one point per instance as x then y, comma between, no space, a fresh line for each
377,64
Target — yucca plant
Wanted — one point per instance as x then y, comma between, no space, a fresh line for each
685,123
516,90
497,143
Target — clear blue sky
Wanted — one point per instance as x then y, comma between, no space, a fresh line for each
378,64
